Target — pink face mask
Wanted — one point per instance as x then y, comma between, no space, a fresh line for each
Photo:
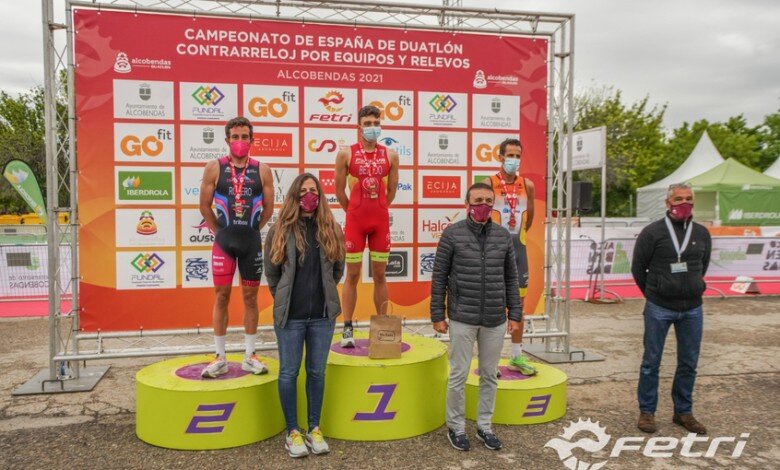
309,202
239,148
480,212
681,211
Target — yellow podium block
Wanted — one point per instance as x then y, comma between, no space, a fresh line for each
177,409
382,399
521,399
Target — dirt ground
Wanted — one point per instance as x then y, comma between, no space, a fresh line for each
737,392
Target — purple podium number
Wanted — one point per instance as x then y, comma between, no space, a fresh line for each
380,413
194,426
537,406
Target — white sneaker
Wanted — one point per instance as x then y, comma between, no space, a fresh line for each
347,338
295,445
254,365
316,442
217,367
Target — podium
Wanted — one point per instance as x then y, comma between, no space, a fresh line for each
177,409
382,399
521,399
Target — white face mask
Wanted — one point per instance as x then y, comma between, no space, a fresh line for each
511,165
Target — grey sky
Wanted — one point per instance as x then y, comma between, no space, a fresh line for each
707,59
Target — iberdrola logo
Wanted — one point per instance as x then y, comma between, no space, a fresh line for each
131,182
16,176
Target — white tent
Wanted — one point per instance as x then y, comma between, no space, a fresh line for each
650,198
774,170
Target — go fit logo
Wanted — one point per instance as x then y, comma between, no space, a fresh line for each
487,153
132,145
393,110
275,107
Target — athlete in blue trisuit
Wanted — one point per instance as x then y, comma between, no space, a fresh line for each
242,192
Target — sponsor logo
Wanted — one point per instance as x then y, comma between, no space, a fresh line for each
276,107
146,225
487,152
327,145
145,92
441,186
426,263
397,264
328,181
331,102
495,105
442,103
208,95
480,178
277,144
436,227
147,262
392,143
444,141
208,135
196,269
654,447
579,143
204,234
393,110
145,186
150,146
740,214
122,64
17,176
479,80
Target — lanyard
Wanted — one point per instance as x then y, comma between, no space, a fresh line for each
679,249
511,199
238,184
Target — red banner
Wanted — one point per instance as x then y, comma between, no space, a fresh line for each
153,93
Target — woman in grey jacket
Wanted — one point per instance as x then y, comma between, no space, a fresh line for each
304,255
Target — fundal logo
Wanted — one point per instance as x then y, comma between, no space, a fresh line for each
441,103
206,95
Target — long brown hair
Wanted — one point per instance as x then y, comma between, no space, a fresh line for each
289,221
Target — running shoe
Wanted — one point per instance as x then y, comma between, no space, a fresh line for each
522,365
347,338
217,367
254,365
295,445
316,442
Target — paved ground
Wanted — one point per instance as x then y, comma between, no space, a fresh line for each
737,392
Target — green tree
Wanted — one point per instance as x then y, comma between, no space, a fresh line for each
635,145
733,139
769,140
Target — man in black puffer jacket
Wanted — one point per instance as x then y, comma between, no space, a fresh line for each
475,269
670,260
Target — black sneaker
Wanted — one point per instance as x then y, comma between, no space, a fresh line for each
490,440
458,440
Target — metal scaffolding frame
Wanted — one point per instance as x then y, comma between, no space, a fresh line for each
558,29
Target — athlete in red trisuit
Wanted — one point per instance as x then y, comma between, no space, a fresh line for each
242,192
372,173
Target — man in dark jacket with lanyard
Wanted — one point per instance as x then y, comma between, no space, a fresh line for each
670,260
475,269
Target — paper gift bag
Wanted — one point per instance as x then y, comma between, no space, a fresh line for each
384,337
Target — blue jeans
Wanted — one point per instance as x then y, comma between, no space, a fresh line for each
688,326
317,334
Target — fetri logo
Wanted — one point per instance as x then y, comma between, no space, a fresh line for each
332,100
147,263
394,110
276,107
444,187
442,103
487,152
122,64
277,144
206,95
149,146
